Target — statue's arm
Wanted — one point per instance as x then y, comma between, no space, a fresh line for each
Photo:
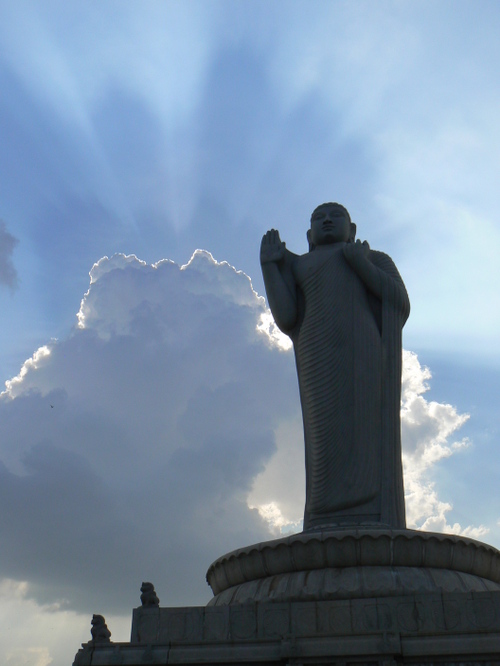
376,269
390,278
276,262
358,257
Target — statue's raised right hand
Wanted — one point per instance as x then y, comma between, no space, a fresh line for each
272,248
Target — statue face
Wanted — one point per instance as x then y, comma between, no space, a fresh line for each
329,224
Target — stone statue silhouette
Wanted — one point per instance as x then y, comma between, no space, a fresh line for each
344,307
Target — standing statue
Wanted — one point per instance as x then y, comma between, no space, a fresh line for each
344,307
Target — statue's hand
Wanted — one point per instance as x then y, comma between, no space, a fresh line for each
356,252
272,248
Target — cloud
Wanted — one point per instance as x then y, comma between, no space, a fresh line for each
426,428
44,635
129,448
8,273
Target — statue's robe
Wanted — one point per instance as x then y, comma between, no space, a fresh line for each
348,352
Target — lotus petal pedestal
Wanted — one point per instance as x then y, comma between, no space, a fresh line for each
349,564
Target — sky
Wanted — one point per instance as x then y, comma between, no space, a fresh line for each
150,419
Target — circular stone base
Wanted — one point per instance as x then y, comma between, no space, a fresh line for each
344,564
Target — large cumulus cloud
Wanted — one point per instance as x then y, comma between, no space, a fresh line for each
428,430
129,448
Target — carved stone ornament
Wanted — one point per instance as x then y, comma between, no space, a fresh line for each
149,598
100,632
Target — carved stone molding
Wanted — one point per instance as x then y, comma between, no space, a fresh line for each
350,563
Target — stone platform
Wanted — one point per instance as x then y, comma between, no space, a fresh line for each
360,597
447,629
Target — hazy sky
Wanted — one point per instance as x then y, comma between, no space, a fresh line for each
150,420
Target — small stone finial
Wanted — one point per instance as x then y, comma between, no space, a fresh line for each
100,632
149,598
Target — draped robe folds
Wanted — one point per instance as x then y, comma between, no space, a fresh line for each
348,353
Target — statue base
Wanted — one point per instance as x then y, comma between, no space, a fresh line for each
356,563
363,597
459,628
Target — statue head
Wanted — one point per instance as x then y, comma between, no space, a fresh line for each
330,223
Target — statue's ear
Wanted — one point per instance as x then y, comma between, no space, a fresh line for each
311,246
352,234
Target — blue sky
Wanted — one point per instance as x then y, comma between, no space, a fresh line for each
157,128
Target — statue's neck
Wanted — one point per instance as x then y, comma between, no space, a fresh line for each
329,247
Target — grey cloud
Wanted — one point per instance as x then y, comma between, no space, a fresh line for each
129,449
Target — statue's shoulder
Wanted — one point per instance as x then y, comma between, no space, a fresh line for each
385,264
290,260
301,265
291,256
382,260
378,255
